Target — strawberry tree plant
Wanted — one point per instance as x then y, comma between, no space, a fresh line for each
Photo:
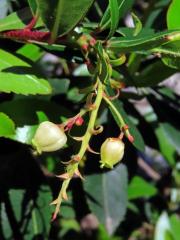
82,98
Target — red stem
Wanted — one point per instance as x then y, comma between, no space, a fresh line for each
32,24
27,34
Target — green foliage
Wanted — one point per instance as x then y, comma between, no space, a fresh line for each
31,209
173,21
140,188
104,195
16,20
57,17
142,44
7,127
114,11
18,76
33,5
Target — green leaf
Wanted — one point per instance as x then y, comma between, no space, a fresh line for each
7,126
123,6
144,43
61,16
114,12
17,76
166,148
27,108
173,20
146,77
128,32
170,54
172,62
104,75
137,24
16,20
31,52
157,9
138,188
25,116
175,226
108,196
59,86
126,7
172,134
33,6
102,233
31,210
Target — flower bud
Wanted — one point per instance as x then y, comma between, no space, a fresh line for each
112,151
49,137
79,121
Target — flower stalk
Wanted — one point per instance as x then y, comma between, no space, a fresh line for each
72,168
124,126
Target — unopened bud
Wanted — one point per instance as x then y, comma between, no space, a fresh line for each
49,137
79,121
112,152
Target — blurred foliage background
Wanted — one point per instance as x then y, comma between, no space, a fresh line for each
137,200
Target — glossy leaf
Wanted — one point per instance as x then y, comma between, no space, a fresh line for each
17,76
172,134
61,16
137,24
16,20
104,75
170,54
175,226
172,62
141,44
173,20
129,32
26,116
59,86
33,6
146,77
7,127
108,196
166,148
105,21
114,12
124,6
27,108
31,52
155,12
138,188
